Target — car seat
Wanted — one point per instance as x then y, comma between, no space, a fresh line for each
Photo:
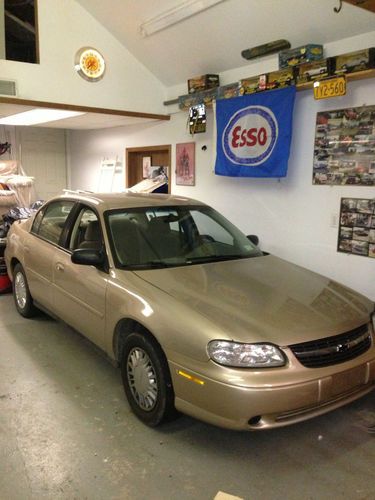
93,236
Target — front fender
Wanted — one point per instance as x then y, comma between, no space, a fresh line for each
182,334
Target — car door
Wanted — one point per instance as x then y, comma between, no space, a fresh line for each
40,247
79,291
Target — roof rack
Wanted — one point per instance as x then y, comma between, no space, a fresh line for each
77,191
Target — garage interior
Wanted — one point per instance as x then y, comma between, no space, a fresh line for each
66,429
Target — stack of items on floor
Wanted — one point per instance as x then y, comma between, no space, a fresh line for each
16,196
5,284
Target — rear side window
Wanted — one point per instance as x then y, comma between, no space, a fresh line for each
49,222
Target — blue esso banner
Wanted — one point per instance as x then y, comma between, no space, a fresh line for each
254,134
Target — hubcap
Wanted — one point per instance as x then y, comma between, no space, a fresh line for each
142,379
20,290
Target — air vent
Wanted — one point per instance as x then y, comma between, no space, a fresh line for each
8,87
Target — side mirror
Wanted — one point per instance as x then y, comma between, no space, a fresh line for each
88,257
254,239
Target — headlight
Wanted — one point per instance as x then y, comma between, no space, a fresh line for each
245,355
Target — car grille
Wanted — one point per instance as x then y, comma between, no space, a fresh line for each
333,350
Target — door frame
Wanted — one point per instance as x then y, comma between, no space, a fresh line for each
132,153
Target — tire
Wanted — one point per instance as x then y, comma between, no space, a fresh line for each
147,381
21,293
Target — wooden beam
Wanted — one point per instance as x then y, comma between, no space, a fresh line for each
82,109
364,4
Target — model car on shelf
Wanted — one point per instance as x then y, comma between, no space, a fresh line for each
228,91
281,78
253,84
368,180
358,60
314,70
200,320
353,179
299,55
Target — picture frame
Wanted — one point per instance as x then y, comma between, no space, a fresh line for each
356,233
185,164
146,165
344,147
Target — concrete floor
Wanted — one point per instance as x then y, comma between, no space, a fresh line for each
66,432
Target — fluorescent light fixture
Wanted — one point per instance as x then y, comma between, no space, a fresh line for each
38,115
175,15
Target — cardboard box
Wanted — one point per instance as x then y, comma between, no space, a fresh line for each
351,62
203,82
300,55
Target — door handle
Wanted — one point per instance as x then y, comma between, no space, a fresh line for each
60,267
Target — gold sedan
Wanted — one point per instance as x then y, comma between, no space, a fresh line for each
200,320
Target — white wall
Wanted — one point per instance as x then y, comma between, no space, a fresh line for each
65,27
270,63
293,218
41,153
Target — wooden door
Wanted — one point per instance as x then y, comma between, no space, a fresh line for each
160,156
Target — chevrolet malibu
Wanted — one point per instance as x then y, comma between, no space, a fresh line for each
199,319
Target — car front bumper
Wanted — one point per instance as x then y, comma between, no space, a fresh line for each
244,403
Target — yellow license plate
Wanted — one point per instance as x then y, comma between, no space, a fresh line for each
332,87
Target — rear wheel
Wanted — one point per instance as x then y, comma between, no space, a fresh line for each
22,298
147,381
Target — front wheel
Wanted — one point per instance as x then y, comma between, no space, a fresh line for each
21,293
147,381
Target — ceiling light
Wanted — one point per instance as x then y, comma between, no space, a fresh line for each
175,15
38,115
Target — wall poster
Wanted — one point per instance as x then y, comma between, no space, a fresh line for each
344,148
357,227
146,165
185,164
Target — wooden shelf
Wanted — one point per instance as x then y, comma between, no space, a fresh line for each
358,75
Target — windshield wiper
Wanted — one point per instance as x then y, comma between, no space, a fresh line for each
215,258
155,264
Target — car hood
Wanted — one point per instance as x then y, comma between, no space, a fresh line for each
263,299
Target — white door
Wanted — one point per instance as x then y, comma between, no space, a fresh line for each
43,156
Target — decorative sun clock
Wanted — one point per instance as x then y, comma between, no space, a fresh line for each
90,64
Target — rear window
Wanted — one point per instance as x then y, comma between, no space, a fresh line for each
50,220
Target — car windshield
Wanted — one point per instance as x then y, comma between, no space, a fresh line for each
156,237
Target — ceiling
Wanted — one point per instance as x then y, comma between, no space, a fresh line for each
208,42
212,41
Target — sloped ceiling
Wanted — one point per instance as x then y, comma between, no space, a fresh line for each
212,41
